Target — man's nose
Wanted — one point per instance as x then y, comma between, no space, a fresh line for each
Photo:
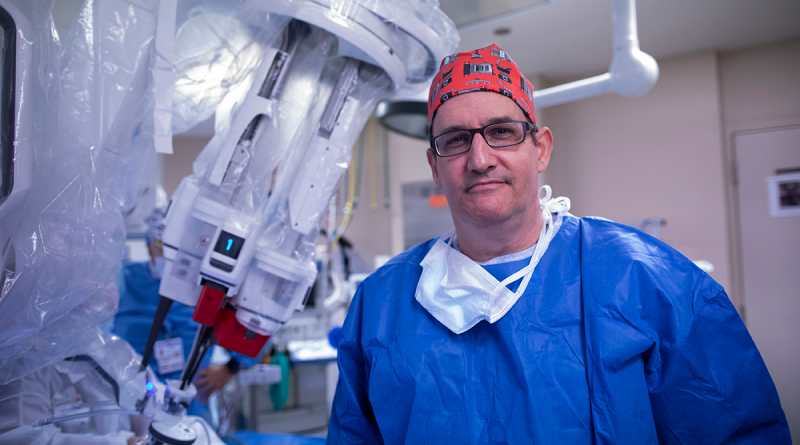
481,155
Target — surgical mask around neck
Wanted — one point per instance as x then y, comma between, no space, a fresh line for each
459,292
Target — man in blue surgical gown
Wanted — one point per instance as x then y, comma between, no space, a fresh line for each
528,325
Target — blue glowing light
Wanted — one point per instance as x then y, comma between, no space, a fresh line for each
149,386
230,243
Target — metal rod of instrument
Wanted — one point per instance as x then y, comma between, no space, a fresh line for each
164,304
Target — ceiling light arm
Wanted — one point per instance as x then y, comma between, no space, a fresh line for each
632,72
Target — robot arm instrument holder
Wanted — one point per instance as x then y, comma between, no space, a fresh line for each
240,267
242,291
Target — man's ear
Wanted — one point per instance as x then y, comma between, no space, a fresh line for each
544,144
432,159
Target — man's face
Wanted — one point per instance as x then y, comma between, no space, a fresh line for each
487,186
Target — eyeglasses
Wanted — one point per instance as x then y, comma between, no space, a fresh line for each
504,134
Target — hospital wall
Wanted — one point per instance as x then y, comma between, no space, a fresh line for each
667,154
655,156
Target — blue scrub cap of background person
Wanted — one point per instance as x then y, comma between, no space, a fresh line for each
155,225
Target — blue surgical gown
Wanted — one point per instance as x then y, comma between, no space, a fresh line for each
618,339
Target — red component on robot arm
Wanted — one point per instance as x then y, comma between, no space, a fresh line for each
208,306
233,336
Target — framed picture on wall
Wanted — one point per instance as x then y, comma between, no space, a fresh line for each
784,195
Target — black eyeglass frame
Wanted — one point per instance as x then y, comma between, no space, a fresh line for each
472,132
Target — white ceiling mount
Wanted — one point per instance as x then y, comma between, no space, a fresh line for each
632,72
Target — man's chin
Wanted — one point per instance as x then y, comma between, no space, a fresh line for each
486,216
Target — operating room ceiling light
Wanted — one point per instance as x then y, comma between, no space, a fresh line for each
407,117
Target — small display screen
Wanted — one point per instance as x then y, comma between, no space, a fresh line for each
229,245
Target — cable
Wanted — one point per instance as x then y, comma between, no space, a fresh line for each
51,420
386,187
354,186
99,370
347,212
360,170
373,166
205,428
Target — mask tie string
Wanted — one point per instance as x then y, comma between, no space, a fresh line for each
550,206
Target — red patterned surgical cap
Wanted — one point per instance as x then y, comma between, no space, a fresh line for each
485,69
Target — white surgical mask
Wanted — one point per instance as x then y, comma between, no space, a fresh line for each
459,292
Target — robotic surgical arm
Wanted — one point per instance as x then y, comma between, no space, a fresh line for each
292,82
238,239
243,290
277,281
209,241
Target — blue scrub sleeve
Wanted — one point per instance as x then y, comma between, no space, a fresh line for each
714,388
668,349
352,418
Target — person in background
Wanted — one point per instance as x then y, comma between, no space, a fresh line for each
139,283
526,324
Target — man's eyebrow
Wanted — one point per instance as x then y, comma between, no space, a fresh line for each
494,120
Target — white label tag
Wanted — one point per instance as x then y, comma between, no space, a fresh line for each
169,355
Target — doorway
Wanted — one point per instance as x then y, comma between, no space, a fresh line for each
768,164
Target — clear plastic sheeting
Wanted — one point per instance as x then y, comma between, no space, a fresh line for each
414,34
89,102
92,111
61,237
247,188
248,218
217,48
319,158
304,185
98,380
88,398
420,63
